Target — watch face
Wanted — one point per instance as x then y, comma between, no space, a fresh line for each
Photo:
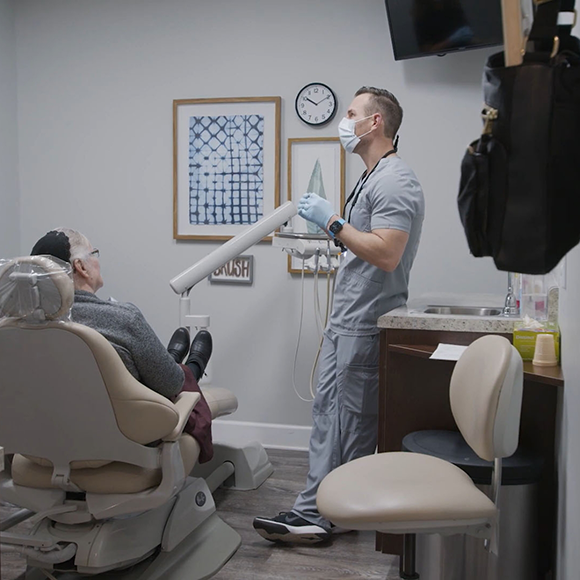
335,227
316,104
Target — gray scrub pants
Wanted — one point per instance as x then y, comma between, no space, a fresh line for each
345,412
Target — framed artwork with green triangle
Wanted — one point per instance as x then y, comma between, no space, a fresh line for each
316,165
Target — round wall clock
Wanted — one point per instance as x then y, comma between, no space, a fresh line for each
316,104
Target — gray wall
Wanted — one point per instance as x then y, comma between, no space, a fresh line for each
569,451
96,82
9,199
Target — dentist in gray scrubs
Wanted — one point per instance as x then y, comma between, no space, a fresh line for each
379,229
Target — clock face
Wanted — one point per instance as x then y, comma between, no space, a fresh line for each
316,104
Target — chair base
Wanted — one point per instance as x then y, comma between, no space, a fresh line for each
407,569
239,468
199,556
154,542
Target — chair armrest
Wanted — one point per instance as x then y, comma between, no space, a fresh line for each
184,404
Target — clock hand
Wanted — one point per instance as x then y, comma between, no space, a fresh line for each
311,101
327,97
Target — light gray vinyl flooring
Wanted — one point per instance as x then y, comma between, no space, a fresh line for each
347,556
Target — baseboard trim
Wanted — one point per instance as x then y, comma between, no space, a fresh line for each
270,435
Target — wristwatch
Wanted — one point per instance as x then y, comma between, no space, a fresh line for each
335,227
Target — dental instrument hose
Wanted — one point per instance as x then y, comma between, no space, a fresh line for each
299,334
321,324
317,306
316,295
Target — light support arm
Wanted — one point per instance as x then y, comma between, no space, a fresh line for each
183,282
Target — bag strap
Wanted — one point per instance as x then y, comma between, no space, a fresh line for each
545,26
567,18
551,30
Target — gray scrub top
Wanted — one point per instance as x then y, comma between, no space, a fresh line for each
391,198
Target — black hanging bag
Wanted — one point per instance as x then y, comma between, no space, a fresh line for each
519,197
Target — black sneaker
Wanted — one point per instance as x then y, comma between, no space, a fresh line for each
288,527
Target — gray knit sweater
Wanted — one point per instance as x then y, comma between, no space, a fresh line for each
125,327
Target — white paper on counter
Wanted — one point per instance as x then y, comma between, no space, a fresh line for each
448,351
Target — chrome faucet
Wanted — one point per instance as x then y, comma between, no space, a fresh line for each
511,307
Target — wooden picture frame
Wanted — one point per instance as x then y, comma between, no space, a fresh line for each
303,175
226,165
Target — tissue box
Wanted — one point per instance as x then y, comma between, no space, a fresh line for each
525,341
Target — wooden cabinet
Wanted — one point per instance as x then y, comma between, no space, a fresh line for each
414,395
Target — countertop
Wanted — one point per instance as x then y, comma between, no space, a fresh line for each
412,316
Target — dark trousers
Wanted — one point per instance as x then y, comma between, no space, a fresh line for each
199,423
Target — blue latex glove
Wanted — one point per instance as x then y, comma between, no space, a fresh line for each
313,208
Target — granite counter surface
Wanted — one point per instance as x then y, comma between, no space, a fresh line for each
412,316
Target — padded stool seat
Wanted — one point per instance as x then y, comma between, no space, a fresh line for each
403,488
114,477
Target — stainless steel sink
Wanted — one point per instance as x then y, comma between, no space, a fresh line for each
464,310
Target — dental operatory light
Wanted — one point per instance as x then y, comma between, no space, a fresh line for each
184,282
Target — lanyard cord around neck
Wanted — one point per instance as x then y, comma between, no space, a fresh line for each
360,184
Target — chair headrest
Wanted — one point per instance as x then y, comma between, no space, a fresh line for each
35,289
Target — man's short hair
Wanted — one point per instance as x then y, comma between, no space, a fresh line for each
385,103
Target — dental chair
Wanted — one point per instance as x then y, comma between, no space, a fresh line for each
411,493
100,461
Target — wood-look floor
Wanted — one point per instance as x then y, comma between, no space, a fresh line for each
347,556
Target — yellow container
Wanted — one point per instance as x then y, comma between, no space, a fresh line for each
525,341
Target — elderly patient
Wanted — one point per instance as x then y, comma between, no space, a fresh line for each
125,327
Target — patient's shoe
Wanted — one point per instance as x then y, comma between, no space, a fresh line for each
179,344
199,353
289,527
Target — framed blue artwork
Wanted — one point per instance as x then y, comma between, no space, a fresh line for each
226,165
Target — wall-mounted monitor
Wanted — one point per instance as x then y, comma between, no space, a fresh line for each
428,27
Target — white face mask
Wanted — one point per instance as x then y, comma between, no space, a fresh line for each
348,137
